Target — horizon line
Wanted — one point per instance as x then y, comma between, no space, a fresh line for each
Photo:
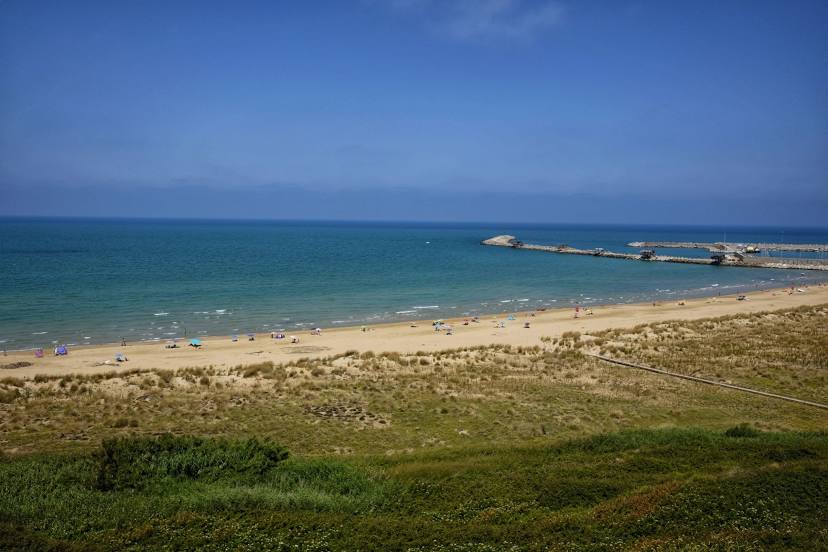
69,218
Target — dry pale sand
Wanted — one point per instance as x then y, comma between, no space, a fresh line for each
400,337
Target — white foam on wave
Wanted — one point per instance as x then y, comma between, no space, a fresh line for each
406,312
522,300
39,333
338,321
160,314
426,307
506,301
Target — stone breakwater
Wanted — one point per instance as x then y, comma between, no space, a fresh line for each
650,256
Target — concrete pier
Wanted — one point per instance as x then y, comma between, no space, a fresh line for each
741,260
721,246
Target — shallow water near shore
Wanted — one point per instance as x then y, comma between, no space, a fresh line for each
95,281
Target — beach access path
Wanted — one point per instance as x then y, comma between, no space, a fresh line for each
401,337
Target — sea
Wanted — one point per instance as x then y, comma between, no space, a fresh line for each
88,281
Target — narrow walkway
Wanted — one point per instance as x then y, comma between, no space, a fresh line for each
707,381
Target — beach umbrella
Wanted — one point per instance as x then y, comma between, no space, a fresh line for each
195,342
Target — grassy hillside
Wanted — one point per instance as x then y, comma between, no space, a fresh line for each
493,448
655,489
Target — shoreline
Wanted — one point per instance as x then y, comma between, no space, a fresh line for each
495,308
401,336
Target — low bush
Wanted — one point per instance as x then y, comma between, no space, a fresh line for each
137,462
742,430
253,370
8,395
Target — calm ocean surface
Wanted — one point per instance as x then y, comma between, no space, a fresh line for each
93,281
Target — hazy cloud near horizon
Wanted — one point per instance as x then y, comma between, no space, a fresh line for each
577,111
482,19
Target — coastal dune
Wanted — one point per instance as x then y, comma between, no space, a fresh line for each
400,337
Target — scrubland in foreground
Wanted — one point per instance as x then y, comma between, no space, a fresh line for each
482,448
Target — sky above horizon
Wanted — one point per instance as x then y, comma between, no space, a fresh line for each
502,110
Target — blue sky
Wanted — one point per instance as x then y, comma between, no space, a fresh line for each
542,111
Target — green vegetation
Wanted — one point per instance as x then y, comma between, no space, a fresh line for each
473,449
134,462
650,490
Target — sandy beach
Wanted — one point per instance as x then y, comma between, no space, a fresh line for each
400,337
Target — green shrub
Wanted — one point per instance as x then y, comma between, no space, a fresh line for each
742,430
138,462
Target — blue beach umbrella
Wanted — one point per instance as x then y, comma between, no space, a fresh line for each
195,342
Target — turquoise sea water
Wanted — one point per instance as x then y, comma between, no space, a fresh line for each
93,281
